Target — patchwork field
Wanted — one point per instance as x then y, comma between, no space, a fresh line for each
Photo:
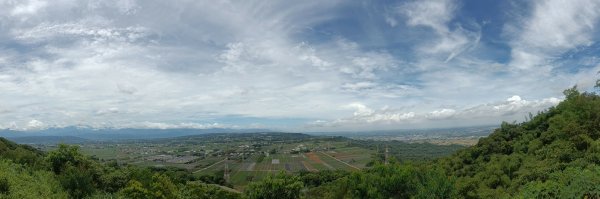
235,160
243,172
247,157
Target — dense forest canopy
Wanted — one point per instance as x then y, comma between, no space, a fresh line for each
554,154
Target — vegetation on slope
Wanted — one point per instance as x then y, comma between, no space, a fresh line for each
66,173
407,151
555,154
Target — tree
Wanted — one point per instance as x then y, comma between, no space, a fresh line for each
135,190
18,181
63,156
162,187
4,186
280,186
571,92
196,190
78,183
597,82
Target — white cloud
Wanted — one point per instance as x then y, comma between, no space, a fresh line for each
512,109
361,109
434,14
441,114
111,110
35,125
188,125
450,42
84,29
119,64
552,28
357,86
28,7
364,115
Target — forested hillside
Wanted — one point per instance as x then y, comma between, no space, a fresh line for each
66,173
555,154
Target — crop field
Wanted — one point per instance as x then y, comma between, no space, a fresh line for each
238,159
247,157
243,172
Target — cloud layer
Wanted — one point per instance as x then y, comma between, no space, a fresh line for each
299,66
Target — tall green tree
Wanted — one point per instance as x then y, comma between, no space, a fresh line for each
65,156
163,188
197,190
280,186
135,190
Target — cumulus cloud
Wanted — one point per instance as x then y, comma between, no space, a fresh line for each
441,114
185,125
35,125
512,109
364,115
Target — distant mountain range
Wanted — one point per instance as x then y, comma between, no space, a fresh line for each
76,134
49,140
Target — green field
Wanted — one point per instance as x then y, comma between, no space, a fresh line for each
249,157
243,172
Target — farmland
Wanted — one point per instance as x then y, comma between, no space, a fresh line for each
236,159
245,157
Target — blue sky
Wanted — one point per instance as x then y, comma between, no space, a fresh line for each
290,65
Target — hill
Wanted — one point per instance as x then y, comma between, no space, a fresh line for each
553,155
108,134
22,154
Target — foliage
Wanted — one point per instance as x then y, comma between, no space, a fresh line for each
77,182
65,156
215,178
536,157
21,182
21,154
4,186
196,190
162,187
135,190
391,181
570,183
407,151
280,186
315,179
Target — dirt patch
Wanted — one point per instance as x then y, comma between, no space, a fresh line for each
312,156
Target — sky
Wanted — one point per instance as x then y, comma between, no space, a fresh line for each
290,65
